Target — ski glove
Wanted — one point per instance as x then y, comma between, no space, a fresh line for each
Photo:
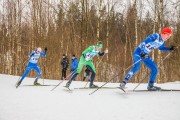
45,49
172,48
106,51
143,55
31,54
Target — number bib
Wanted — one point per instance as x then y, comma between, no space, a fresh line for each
152,45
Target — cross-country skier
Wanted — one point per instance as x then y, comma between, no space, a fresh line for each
86,59
34,56
141,53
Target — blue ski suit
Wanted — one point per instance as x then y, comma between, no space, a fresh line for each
152,42
34,56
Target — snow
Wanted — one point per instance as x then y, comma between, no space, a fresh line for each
40,103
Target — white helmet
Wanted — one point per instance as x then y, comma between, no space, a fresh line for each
39,49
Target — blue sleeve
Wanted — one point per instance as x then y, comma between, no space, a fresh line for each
163,48
43,54
151,38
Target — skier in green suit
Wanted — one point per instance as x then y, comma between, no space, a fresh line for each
86,59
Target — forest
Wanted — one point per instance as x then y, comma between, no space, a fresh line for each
70,26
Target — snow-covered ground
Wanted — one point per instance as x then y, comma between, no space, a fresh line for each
40,103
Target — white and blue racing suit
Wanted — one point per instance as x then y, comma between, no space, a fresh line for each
34,56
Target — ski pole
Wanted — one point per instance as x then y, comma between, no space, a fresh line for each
67,76
115,77
86,84
64,79
149,74
100,60
44,70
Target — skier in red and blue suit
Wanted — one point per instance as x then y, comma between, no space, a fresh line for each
152,42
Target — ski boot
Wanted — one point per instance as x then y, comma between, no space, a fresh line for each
93,86
68,84
36,83
18,83
122,84
153,88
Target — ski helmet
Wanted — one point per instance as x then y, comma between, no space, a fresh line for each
39,49
99,44
167,31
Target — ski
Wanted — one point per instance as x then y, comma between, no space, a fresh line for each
122,89
67,88
96,88
38,85
106,88
162,90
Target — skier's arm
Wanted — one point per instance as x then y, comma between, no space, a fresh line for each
31,54
89,49
101,53
163,48
44,54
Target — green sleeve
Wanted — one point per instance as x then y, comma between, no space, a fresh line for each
89,49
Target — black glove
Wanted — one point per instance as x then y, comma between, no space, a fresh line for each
32,54
143,55
172,48
45,49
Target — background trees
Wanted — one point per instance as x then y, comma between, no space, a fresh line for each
68,27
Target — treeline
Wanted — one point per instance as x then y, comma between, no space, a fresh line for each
68,27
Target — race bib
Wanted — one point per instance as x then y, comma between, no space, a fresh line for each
88,57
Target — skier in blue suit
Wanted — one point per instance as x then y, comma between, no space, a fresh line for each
34,56
152,42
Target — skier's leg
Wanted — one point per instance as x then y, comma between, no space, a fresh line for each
132,71
91,67
28,68
154,71
84,76
39,72
89,77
